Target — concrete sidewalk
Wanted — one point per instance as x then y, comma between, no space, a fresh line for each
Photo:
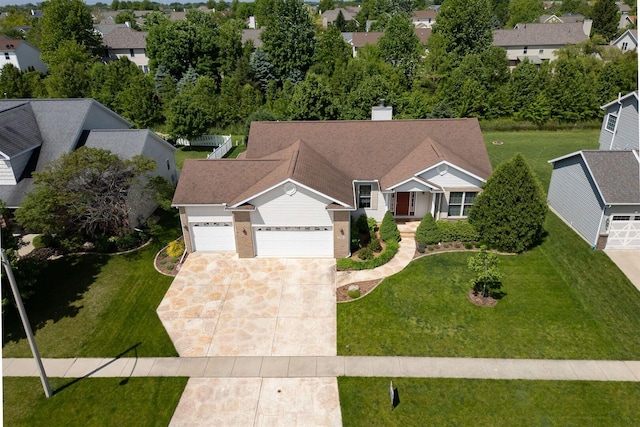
331,366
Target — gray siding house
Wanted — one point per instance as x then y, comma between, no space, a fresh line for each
620,125
597,192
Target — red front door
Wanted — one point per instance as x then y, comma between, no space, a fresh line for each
402,204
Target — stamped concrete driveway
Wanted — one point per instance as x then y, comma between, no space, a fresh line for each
221,305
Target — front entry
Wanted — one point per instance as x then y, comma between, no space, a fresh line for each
402,203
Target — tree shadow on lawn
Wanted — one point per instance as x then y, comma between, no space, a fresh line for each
59,285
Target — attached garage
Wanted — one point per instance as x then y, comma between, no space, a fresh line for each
213,236
294,241
624,232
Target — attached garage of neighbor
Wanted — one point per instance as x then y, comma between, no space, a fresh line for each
624,232
296,241
213,236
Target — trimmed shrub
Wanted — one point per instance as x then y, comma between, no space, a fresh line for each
362,224
389,229
428,232
385,256
375,245
373,225
175,249
365,254
353,294
457,231
355,236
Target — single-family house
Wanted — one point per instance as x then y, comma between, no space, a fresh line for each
563,19
294,190
539,42
20,54
628,41
627,20
424,18
330,16
359,40
129,43
34,132
253,36
597,192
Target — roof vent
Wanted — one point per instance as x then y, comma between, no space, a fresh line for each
381,112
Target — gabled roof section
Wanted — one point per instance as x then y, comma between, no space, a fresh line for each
633,33
125,143
18,131
125,38
615,173
540,34
361,39
633,94
8,44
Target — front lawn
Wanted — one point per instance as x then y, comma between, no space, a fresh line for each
97,305
91,402
467,402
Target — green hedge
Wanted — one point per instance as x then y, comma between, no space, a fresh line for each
458,231
385,256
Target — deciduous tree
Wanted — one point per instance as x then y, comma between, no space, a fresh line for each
485,266
509,214
69,68
312,100
524,11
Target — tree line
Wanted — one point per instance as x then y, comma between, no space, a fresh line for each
203,77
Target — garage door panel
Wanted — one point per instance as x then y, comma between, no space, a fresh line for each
294,241
213,236
624,232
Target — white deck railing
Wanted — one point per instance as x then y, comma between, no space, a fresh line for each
205,141
221,150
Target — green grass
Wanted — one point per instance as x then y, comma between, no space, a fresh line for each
563,299
538,147
91,402
463,402
96,306
184,153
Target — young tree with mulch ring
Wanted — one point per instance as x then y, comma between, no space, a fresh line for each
509,213
485,265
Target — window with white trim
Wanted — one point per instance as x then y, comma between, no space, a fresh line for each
364,196
460,203
611,122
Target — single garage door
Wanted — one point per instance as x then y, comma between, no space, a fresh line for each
213,236
624,232
294,241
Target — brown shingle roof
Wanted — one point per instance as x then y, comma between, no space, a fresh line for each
424,14
540,34
328,156
362,39
125,38
9,44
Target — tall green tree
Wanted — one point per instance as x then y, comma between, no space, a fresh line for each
463,27
264,11
524,11
107,81
229,45
193,111
605,19
312,100
154,19
500,9
399,46
331,51
67,20
12,84
83,193
139,103
509,214
326,5
69,70
289,40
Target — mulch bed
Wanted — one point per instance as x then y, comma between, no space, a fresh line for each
165,264
481,301
342,293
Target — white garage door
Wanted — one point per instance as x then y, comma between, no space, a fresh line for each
294,241
624,232
213,236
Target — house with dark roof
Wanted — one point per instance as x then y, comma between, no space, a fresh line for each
424,18
34,132
539,42
296,187
597,192
129,43
20,54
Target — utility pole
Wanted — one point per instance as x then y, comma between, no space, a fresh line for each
25,323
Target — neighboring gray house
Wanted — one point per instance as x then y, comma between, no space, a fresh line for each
330,16
620,125
33,132
597,192
20,54
627,41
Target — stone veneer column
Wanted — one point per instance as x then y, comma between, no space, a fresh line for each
185,229
341,234
244,234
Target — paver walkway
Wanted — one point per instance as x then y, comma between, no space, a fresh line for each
331,367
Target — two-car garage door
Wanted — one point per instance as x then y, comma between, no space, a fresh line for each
213,236
294,241
624,232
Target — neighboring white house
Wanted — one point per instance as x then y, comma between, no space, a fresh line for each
34,132
294,190
628,41
20,54
129,43
597,192
539,42
424,18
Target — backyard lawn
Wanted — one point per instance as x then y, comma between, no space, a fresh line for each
91,402
201,152
459,402
563,300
